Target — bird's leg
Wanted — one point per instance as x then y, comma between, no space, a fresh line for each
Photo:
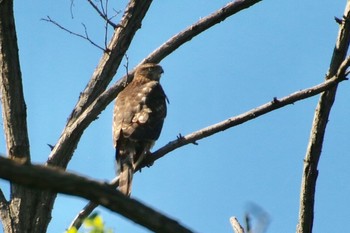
139,160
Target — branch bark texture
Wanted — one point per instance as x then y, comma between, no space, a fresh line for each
18,214
57,180
322,112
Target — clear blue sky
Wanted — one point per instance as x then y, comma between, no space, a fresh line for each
270,50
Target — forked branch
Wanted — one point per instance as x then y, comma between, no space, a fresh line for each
85,37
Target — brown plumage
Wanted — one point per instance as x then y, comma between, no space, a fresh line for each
138,118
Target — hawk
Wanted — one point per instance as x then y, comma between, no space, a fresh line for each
138,118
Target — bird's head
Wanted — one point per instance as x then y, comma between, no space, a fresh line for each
149,70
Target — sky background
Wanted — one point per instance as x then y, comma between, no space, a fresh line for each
269,50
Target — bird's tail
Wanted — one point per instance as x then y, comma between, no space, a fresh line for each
125,178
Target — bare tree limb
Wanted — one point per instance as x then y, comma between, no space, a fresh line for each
237,228
85,37
313,153
216,128
57,180
203,24
242,118
5,213
12,98
15,123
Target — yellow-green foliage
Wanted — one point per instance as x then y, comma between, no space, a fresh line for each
92,224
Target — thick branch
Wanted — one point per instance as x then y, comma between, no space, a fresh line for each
57,180
14,107
20,218
103,74
186,35
313,153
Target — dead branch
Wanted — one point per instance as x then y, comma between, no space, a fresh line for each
186,35
5,212
57,180
88,208
242,118
85,37
313,153
102,13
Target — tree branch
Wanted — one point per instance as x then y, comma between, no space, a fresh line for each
216,128
103,14
5,213
12,98
85,37
88,208
14,113
57,180
186,35
242,118
313,153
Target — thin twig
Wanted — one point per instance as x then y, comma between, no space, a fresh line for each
103,13
71,8
127,69
86,37
88,208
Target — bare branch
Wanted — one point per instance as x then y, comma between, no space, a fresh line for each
203,24
237,228
103,13
57,180
237,120
313,153
5,212
12,98
86,37
87,210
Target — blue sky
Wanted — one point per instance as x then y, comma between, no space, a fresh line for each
269,50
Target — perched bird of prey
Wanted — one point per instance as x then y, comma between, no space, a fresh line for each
138,118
